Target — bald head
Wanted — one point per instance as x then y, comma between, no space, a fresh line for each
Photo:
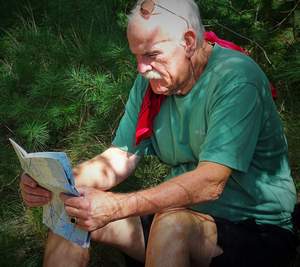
156,27
172,17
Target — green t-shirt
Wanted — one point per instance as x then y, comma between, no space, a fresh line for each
228,117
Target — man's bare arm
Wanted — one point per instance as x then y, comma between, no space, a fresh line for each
102,172
106,170
204,184
97,208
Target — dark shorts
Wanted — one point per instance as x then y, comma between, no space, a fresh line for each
246,243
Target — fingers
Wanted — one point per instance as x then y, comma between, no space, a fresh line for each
82,215
85,225
38,191
34,201
27,180
34,197
32,194
74,212
79,208
75,206
77,202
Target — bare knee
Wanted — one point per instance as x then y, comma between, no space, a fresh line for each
171,225
168,240
182,232
182,222
60,252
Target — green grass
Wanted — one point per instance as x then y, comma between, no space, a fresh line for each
65,73
21,233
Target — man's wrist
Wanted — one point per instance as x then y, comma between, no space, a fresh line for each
126,205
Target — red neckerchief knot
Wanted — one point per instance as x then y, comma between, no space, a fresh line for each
152,102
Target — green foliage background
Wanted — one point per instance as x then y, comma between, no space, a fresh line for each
65,73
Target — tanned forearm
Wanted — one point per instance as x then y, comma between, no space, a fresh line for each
97,208
105,170
205,183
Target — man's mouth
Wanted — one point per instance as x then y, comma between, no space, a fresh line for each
152,75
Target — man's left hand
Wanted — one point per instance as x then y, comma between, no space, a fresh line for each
93,209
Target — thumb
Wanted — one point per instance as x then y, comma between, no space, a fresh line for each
82,190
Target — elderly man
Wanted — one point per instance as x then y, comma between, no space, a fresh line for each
206,111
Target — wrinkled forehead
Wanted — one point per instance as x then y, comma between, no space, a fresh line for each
142,36
143,33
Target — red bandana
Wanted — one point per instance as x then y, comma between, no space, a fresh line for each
152,102
149,109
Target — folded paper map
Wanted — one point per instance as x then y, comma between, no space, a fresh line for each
53,171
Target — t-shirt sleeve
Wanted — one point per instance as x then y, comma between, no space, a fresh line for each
234,123
125,134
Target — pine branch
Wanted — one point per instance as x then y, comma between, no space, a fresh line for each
248,39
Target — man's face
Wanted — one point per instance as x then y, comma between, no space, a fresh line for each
160,58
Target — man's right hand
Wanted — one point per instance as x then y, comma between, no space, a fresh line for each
33,195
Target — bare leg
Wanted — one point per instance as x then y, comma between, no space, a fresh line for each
62,253
127,235
182,238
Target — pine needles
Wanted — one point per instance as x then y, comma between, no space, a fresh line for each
65,73
63,87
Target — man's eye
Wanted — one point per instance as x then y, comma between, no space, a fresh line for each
153,55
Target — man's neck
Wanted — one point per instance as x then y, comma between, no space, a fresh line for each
198,63
200,59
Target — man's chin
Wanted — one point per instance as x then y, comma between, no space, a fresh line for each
157,88
161,92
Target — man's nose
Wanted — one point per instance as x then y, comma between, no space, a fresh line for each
143,66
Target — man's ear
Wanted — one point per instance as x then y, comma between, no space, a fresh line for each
190,40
